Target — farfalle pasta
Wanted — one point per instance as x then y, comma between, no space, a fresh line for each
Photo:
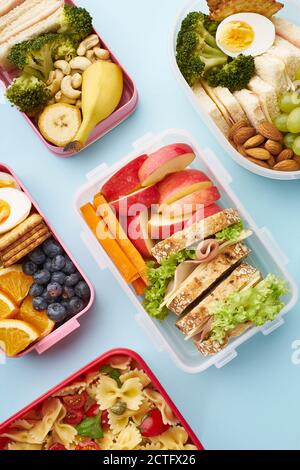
116,407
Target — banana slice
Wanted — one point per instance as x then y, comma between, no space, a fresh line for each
59,123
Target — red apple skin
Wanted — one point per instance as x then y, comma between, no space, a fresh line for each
159,164
142,199
191,203
207,211
181,181
125,181
160,229
137,231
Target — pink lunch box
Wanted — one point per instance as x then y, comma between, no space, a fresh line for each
71,325
127,106
95,366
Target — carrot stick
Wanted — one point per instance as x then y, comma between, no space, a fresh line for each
105,238
139,286
107,214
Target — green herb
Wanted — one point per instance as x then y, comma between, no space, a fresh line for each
113,373
159,278
231,233
258,305
91,427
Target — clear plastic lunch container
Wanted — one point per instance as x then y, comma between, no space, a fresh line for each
127,106
291,12
73,324
94,366
266,254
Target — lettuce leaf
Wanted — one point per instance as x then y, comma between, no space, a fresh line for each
159,278
258,305
230,233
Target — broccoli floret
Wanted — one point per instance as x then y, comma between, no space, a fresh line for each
197,50
235,75
28,94
211,25
36,57
76,20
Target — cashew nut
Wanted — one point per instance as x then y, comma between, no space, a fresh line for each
59,74
54,87
68,90
78,104
102,54
87,44
61,98
64,66
80,63
76,80
90,55
51,77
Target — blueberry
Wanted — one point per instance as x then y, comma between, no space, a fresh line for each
76,305
73,279
82,290
39,304
54,290
68,293
36,290
29,268
51,248
69,267
46,296
57,313
58,263
66,305
42,277
37,256
58,277
48,265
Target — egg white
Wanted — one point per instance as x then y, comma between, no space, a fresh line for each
264,34
20,206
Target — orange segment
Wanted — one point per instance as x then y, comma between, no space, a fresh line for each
15,283
15,336
7,307
38,320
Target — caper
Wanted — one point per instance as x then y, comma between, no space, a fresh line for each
119,408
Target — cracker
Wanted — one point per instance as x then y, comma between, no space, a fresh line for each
226,8
12,251
14,259
25,237
16,233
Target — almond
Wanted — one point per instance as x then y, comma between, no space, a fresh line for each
269,131
287,165
236,127
272,161
242,135
255,141
258,153
273,147
241,150
286,154
259,162
297,158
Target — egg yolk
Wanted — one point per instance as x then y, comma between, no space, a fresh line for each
236,36
4,211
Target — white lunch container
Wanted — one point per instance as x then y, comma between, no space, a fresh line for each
266,254
291,12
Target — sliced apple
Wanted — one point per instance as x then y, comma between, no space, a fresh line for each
203,213
181,184
169,159
191,203
125,181
162,227
136,202
138,233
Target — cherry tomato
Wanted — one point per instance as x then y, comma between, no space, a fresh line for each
57,446
93,410
105,421
152,425
74,417
75,402
3,442
87,445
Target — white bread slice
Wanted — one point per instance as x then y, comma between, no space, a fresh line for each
195,233
48,25
287,30
191,323
231,104
208,106
36,12
17,13
272,70
288,53
251,105
7,5
205,276
220,105
267,97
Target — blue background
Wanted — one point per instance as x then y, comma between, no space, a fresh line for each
252,403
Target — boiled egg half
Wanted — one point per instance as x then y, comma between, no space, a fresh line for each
15,207
245,33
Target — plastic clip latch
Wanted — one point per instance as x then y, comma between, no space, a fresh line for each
226,359
272,326
143,141
94,248
273,246
98,172
216,166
